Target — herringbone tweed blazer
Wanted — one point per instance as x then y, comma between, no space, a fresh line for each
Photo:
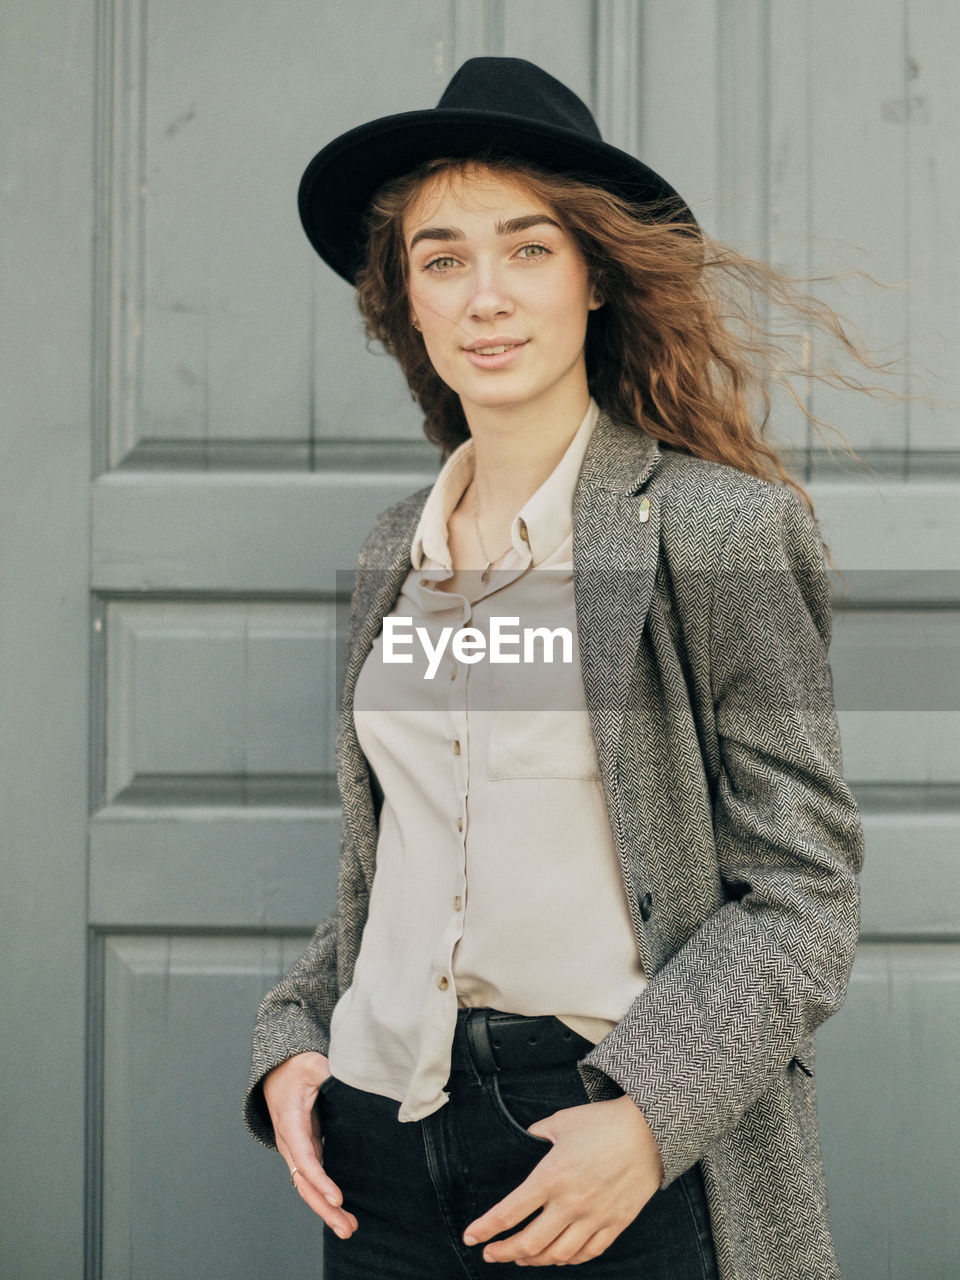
704,623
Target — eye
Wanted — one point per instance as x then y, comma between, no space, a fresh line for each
440,264
533,251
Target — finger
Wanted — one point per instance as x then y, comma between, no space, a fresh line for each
551,1237
598,1243
566,1247
513,1208
302,1154
341,1221
316,1187
299,1142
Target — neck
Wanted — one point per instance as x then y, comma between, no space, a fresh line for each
516,448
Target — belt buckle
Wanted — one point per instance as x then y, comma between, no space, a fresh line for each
478,1039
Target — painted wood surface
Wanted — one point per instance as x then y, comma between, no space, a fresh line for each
46,153
195,442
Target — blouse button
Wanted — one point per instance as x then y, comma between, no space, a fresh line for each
453,672
443,982
459,824
523,530
456,746
458,903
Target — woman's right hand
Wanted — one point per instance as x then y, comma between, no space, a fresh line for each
290,1091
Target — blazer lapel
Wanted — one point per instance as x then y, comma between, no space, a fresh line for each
616,539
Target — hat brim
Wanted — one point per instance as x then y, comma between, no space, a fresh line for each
342,179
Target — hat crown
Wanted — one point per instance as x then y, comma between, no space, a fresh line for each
517,88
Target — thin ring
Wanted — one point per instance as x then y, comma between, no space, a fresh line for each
293,1173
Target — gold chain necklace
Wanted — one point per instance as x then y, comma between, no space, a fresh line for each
485,575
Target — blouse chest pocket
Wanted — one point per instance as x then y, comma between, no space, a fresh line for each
539,725
541,744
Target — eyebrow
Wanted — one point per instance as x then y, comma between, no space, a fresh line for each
509,228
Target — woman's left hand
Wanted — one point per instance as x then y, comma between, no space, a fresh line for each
603,1168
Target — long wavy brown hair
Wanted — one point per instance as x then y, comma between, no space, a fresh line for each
679,348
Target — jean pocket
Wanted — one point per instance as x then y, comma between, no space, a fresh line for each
516,1113
326,1085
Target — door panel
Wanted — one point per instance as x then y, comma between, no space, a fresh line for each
205,702
893,1131
178,1198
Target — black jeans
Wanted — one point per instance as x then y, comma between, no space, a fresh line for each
414,1187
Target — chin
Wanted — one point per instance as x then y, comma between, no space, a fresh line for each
497,402
502,396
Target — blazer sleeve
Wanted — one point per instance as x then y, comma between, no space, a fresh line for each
293,1018
724,1016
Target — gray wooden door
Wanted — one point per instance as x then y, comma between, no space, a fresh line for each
821,136
195,442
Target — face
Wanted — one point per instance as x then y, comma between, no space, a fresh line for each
499,291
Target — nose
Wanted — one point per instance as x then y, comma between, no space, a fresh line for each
490,296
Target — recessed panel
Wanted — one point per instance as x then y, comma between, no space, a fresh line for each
232,343
186,1191
887,1081
911,874
897,687
219,702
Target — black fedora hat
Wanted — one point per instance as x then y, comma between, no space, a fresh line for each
492,106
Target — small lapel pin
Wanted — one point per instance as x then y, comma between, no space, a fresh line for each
643,512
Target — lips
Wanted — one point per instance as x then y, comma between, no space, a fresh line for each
490,346
494,353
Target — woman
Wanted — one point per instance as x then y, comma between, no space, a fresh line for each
586,956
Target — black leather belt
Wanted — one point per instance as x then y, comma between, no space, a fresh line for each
488,1040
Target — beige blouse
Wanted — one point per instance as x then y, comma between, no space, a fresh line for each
497,880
